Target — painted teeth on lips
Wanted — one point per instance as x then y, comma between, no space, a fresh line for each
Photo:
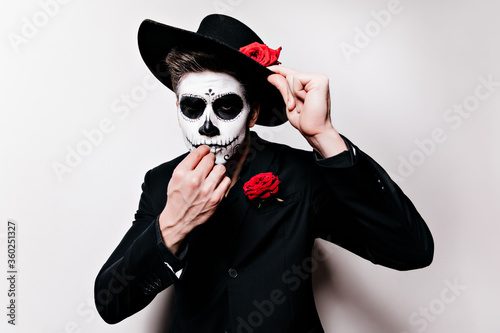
213,144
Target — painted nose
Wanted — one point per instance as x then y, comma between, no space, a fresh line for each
208,129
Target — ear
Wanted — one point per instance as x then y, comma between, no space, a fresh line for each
254,114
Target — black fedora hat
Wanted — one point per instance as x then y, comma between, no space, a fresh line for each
219,35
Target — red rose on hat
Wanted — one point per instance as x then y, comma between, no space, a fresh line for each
262,53
261,186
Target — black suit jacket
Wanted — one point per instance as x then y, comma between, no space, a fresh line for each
248,268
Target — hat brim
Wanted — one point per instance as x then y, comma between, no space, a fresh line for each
156,40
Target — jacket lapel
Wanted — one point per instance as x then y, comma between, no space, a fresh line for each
259,159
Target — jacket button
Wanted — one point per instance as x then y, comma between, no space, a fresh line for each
233,273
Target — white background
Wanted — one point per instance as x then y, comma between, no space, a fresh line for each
79,65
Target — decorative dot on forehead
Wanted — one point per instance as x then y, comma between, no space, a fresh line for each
210,93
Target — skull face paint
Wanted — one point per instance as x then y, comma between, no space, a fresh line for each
212,110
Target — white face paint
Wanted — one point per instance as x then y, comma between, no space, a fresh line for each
213,111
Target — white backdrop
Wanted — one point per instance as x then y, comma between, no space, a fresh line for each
415,83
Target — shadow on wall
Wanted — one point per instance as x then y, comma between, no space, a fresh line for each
337,287
160,318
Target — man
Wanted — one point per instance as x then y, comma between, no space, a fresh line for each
230,223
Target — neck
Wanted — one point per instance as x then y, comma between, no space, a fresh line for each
233,166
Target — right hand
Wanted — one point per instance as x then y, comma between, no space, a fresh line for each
195,190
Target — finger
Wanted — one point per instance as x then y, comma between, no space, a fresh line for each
298,87
193,158
293,118
205,166
281,84
299,94
311,81
289,74
280,69
214,177
221,189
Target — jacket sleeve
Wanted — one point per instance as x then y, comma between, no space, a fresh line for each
136,270
360,208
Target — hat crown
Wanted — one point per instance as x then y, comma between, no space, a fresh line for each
227,30
221,36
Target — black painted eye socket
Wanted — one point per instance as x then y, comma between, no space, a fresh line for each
192,107
228,106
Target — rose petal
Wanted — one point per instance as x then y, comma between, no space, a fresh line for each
265,195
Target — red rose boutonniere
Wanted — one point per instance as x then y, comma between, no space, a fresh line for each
262,187
262,53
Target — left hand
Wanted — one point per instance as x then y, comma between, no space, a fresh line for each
307,98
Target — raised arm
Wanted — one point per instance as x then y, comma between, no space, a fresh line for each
358,207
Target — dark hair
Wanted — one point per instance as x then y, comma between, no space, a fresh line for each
181,62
